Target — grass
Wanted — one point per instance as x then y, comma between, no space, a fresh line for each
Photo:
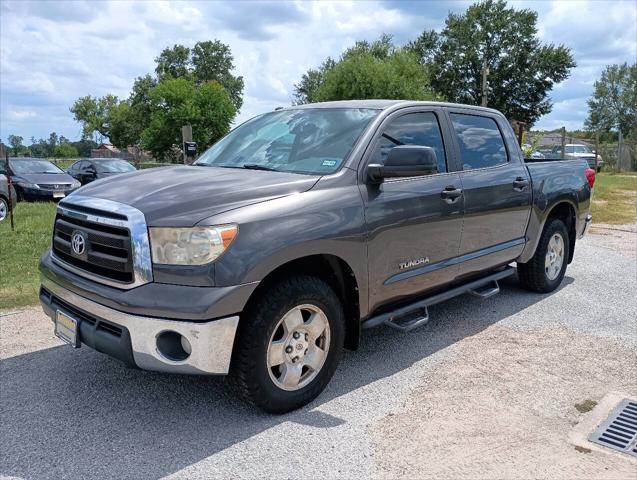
20,252
614,199
586,406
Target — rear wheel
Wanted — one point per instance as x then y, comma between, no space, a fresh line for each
289,344
545,271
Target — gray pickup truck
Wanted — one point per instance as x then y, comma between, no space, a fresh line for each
301,227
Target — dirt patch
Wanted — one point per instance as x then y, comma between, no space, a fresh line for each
502,407
618,238
25,330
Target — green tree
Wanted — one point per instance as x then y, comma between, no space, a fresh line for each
66,150
39,148
93,114
306,91
173,62
521,70
16,143
362,75
84,147
177,102
207,61
367,70
613,106
125,122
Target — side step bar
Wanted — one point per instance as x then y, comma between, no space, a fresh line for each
416,314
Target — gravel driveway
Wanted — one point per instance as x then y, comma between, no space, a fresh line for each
487,389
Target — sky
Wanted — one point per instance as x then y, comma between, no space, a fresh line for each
52,52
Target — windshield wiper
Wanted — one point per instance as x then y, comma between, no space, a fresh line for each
254,166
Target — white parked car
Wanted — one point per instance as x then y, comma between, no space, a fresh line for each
579,150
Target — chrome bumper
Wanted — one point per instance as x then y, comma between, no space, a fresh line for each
587,225
210,342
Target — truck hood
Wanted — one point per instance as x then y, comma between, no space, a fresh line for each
182,196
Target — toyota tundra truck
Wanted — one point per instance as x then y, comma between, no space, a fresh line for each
302,226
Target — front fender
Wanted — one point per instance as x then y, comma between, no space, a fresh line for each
322,221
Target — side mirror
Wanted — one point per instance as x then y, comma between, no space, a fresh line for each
90,170
405,161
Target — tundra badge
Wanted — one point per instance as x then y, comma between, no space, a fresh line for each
413,263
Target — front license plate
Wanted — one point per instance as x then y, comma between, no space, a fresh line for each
66,329
59,194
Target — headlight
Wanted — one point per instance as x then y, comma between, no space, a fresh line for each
28,185
76,184
190,246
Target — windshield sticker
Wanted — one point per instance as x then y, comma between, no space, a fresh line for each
329,163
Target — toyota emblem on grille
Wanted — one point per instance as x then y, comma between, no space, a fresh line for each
78,243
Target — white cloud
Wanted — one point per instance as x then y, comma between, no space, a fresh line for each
21,115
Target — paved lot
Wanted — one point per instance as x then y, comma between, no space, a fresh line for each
487,389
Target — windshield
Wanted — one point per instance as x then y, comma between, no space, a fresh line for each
577,149
33,166
113,166
310,141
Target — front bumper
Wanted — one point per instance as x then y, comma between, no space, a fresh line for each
42,194
133,338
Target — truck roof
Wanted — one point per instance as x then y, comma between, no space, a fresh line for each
385,104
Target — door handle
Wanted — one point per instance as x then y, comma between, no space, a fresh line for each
451,194
520,183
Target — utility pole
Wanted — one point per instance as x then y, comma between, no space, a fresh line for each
563,142
485,82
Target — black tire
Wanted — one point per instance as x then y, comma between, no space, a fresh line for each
533,275
250,371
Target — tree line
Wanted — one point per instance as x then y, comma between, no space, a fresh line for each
490,54
53,147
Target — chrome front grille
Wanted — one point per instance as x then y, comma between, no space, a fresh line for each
54,186
107,249
102,240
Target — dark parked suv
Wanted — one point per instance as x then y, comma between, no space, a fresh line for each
300,227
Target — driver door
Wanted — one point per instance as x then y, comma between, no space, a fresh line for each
413,230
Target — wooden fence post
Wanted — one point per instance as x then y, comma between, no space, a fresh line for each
9,187
186,134
596,150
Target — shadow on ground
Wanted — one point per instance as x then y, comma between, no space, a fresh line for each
79,413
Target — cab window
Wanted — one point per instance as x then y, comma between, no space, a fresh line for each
480,140
420,128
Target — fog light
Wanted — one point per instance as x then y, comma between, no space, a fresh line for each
173,346
185,344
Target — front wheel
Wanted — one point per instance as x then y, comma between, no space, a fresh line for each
289,344
545,271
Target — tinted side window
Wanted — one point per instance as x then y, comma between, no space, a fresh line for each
412,129
75,167
481,143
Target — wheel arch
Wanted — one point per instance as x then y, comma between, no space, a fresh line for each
334,271
566,210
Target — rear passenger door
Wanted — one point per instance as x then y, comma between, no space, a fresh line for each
496,191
